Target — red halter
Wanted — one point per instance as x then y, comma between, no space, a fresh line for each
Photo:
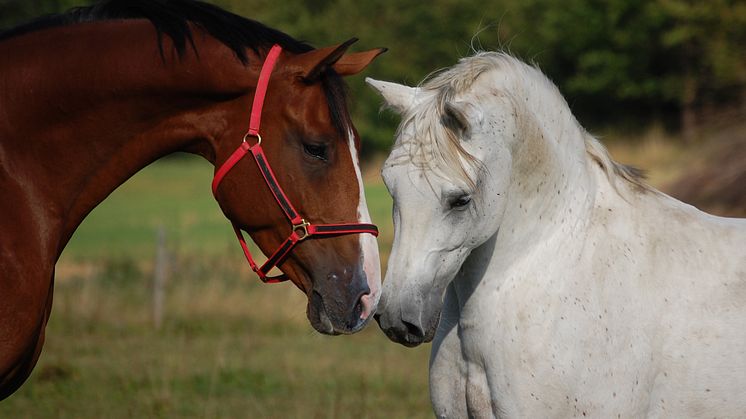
300,228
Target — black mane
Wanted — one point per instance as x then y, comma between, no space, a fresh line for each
171,17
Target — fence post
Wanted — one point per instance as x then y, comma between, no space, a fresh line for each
160,273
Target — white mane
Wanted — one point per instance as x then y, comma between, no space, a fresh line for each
437,147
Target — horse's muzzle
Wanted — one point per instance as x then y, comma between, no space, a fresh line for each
341,310
406,333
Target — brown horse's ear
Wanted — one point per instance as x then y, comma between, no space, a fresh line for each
315,63
319,60
351,64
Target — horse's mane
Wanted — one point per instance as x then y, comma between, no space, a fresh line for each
437,146
172,17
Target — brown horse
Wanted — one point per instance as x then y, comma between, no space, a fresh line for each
90,97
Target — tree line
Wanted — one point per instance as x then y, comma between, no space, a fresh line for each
616,61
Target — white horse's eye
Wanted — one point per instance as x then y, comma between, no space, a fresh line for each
460,201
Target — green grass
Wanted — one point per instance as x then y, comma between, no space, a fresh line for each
229,345
173,193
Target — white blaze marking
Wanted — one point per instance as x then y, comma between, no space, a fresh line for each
368,243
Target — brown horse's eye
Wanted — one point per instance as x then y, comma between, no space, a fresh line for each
317,151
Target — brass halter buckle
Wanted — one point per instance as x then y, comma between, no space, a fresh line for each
301,230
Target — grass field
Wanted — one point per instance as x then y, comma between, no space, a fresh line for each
229,346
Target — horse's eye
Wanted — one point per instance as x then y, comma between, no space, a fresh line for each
460,201
316,150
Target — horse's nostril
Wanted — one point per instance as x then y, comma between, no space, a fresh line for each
357,311
316,299
414,330
354,319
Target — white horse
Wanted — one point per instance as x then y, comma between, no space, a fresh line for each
565,285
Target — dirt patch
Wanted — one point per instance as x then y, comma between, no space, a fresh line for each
717,183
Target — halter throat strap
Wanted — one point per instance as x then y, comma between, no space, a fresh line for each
300,229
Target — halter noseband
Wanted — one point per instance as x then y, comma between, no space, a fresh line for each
300,228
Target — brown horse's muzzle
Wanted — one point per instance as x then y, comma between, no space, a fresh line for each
336,301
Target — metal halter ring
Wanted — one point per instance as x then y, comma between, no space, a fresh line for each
258,138
303,228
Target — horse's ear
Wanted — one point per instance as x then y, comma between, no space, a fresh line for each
456,119
459,117
315,63
397,96
351,64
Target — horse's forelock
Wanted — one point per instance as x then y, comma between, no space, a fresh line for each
429,143
336,96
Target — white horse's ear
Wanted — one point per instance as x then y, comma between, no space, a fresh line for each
462,117
397,96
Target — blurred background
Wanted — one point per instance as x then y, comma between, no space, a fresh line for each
155,312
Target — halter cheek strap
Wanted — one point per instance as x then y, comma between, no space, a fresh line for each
300,229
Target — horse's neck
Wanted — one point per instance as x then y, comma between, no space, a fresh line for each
551,182
101,113
550,198
552,186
